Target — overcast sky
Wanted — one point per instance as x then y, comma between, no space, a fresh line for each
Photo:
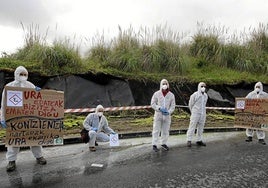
82,19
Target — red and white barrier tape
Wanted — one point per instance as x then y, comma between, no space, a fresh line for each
106,109
209,108
220,108
80,110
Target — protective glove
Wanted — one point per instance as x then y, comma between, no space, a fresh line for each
94,129
37,88
3,124
162,109
165,113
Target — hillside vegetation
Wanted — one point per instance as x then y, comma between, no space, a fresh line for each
211,55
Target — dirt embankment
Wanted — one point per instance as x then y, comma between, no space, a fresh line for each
126,125
137,124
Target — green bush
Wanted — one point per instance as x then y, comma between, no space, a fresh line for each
233,56
99,54
131,52
207,48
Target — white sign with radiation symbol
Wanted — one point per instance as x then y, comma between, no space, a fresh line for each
240,104
114,140
14,98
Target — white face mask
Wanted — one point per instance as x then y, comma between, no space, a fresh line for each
164,87
100,114
23,78
257,90
203,89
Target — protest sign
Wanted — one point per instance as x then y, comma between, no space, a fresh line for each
33,117
251,113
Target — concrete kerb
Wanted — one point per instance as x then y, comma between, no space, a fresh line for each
76,139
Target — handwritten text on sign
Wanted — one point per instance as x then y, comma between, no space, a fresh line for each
251,113
34,118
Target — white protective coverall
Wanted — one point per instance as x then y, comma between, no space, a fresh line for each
255,95
162,122
197,106
98,127
12,152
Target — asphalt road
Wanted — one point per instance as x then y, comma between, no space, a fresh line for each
227,161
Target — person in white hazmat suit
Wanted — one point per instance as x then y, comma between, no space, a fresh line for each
163,102
255,94
98,128
197,106
21,76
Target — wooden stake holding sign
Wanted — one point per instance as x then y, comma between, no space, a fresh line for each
33,117
251,113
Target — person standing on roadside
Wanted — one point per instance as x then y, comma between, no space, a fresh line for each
21,76
98,128
197,106
163,102
257,93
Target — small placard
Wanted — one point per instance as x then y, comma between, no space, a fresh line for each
58,141
114,140
14,98
240,104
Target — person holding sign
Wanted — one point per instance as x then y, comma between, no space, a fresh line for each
21,76
256,94
163,102
98,128
197,106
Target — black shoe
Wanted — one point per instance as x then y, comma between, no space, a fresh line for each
261,141
165,147
41,161
155,148
189,144
93,149
249,139
11,166
96,144
200,143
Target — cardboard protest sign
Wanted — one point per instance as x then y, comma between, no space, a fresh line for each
251,113
33,117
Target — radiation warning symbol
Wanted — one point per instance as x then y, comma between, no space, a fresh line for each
14,98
